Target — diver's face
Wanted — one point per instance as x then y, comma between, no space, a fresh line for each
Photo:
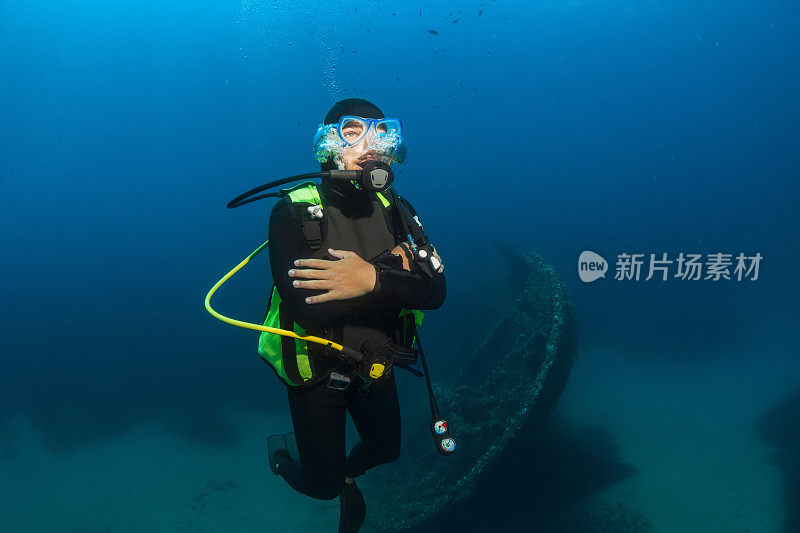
364,150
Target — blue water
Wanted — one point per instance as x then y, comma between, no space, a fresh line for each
557,127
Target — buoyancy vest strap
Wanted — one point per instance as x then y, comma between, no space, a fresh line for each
288,347
388,215
304,193
383,199
313,232
307,193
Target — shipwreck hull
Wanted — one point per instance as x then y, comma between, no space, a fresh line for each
507,384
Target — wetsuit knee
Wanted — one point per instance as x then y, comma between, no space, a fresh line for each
365,456
387,451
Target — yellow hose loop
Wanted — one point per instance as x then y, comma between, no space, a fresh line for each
259,327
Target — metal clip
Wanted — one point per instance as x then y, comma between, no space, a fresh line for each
315,211
338,381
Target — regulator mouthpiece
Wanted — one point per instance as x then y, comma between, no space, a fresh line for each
376,175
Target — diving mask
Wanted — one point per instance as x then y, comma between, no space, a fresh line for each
352,130
381,136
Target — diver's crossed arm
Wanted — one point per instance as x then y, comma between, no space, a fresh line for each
287,244
407,288
318,291
403,283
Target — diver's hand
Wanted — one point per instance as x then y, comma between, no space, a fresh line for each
347,277
441,263
404,251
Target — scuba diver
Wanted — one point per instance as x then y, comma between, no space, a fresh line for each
350,287
352,271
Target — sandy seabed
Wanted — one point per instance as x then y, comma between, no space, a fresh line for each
687,430
148,480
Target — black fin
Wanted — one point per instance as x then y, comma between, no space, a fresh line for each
281,443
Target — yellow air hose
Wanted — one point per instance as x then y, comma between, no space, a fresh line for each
259,327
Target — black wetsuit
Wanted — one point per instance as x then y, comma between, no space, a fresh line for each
353,220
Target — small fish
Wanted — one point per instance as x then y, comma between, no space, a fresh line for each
480,12
394,14
353,51
420,12
398,79
433,32
451,14
456,20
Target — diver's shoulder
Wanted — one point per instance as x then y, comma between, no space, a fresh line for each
280,207
407,204
281,212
